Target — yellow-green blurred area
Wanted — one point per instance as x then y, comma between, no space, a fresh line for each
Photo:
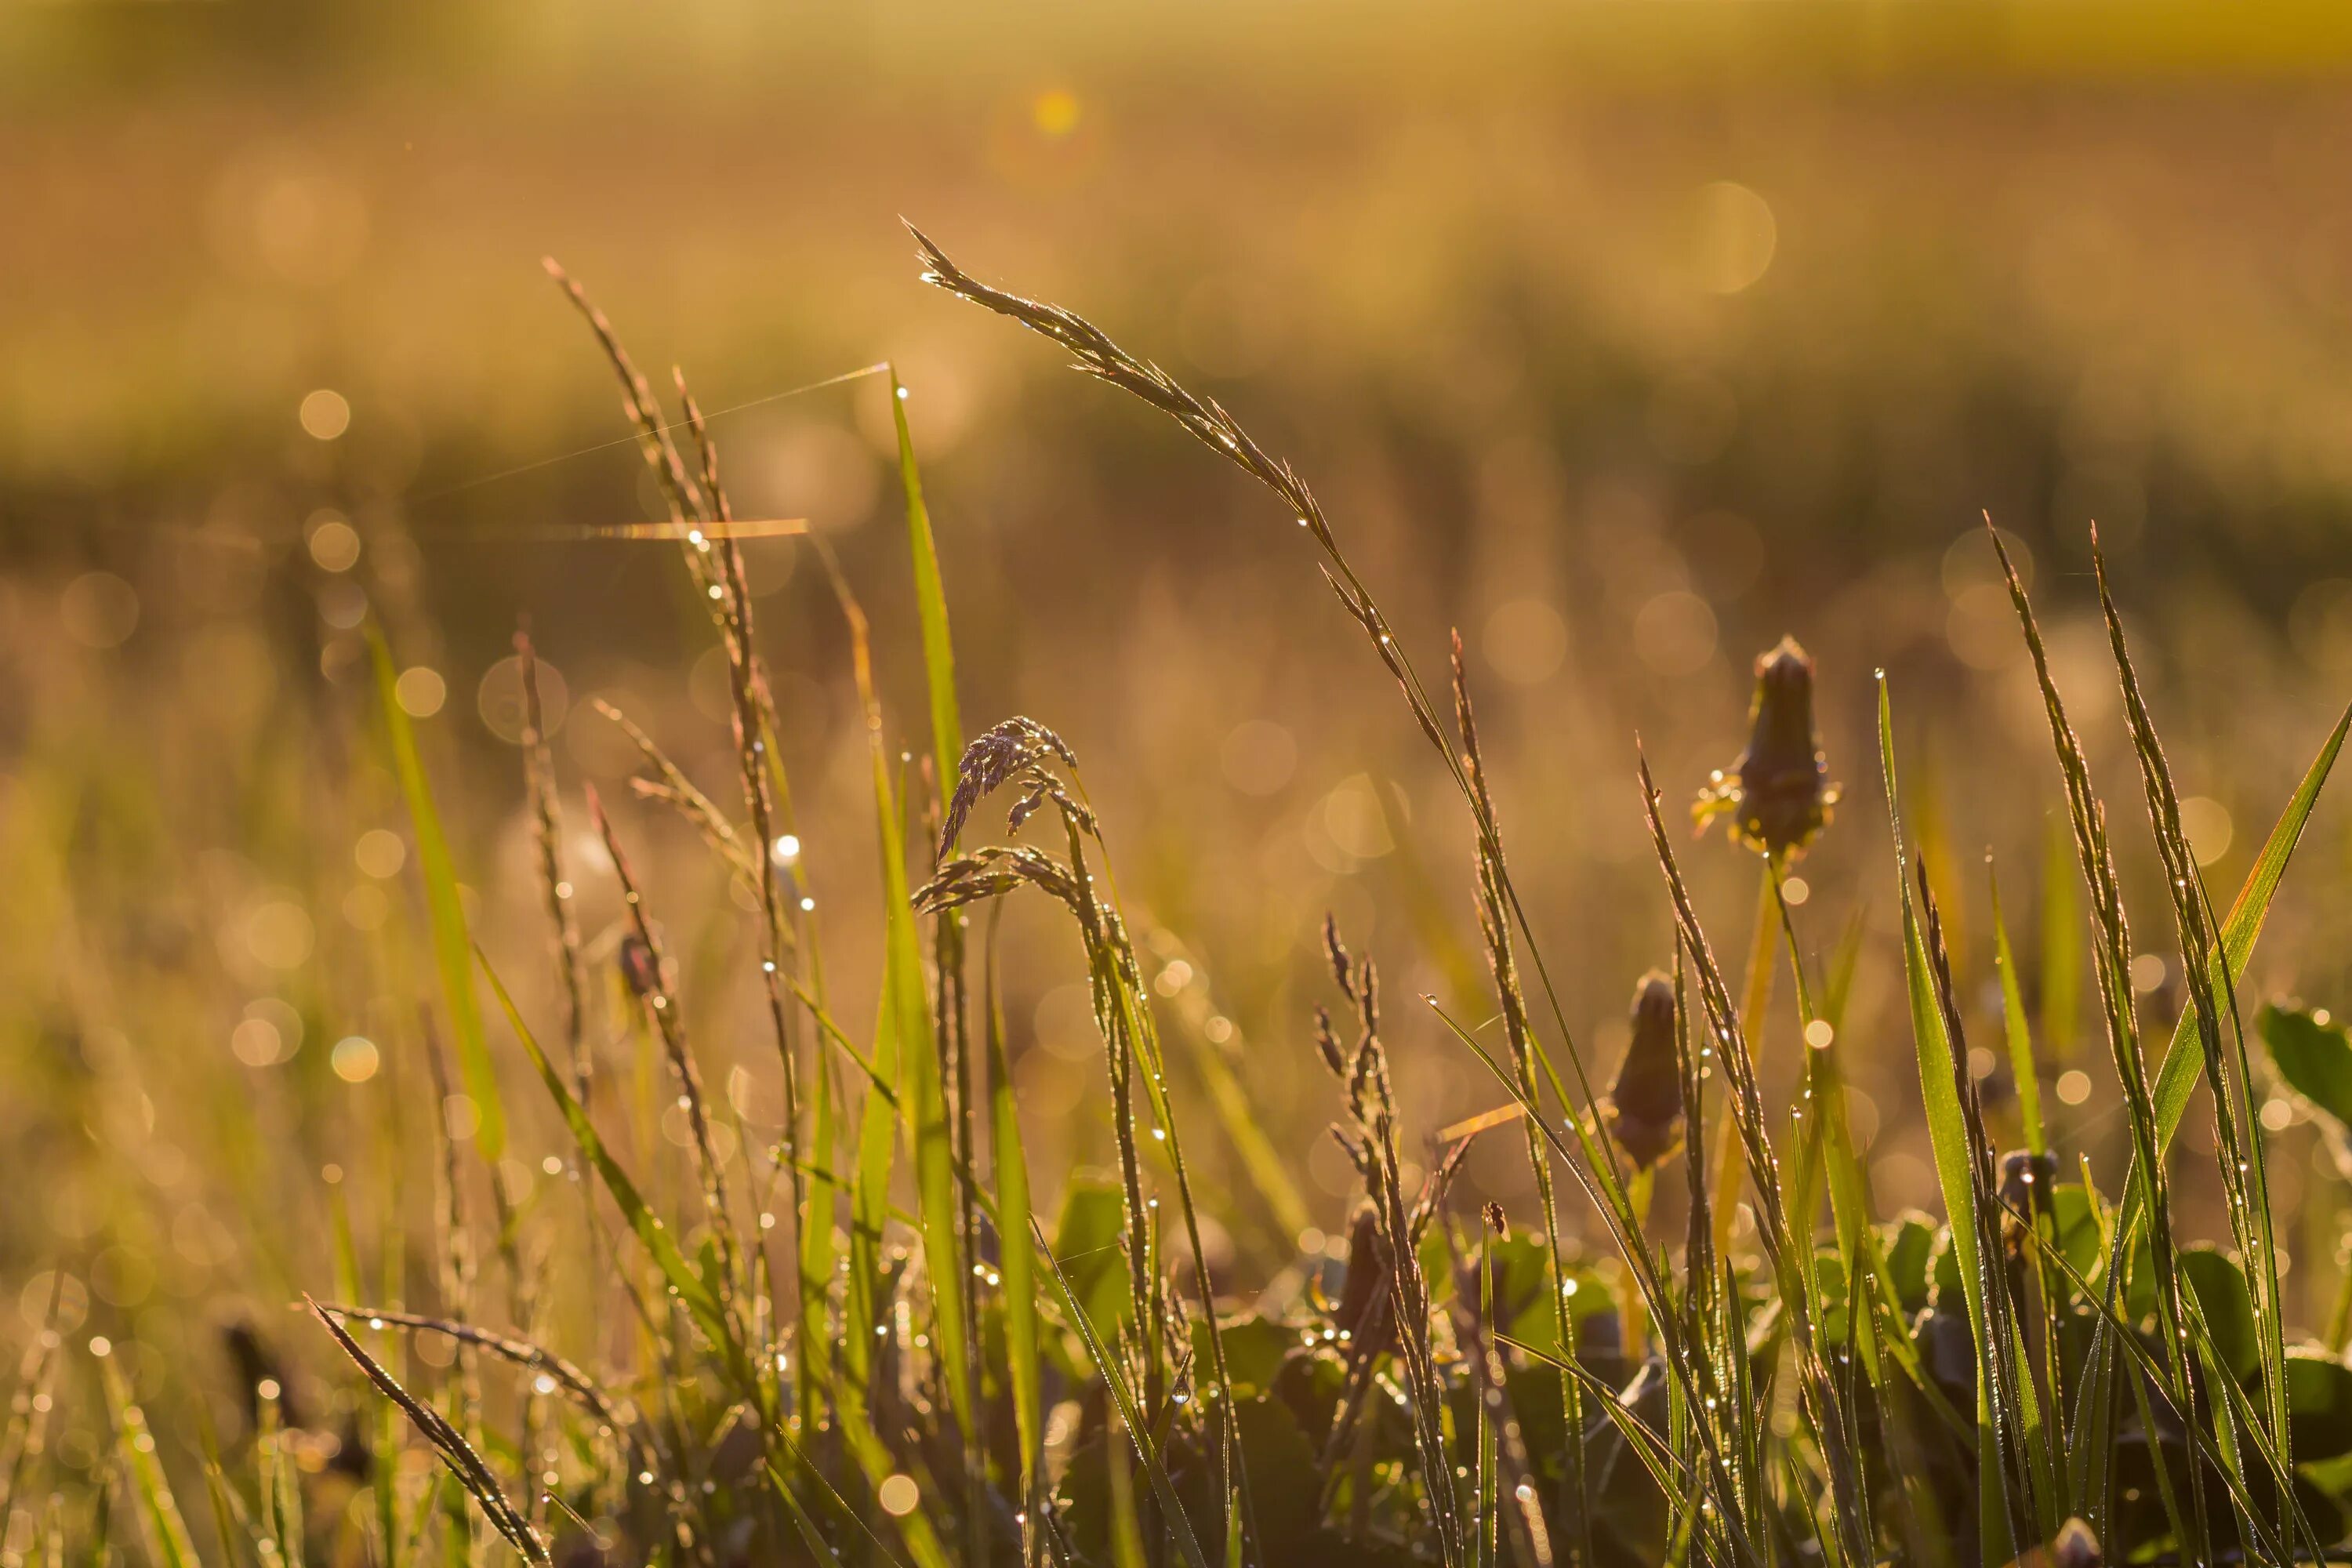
1624,339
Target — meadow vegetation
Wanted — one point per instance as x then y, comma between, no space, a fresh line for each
580,1284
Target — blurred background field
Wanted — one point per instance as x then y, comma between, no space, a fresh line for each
1623,343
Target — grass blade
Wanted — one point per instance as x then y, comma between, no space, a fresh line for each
930,603
1013,1220
1962,1171
1130,1414
2013,1028
684,1284
464,1460
452,947
167,1532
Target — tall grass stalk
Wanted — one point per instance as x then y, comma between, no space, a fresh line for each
1098,355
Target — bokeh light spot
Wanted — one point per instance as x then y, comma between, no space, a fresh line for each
380,853
1055,111
355,1058
333,542
421,691
2206,821
501,702
1734,238
1525,641
1674,633
1258,756
100,610
277,933
326,413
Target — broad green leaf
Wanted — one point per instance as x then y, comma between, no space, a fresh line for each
1086,1245
1910,1243
1255,1349
445,913
2076,1228
2314,1059
2319,1405
2221,1295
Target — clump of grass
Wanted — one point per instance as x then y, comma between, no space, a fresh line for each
864,1343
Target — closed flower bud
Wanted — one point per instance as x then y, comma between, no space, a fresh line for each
639,969
2072,1547
2028,1191
1778,794
1644,1106
2026,1182
2076,1547
1360,1316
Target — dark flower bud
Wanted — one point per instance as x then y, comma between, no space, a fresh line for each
1644,1106
2072,1547
2026,1180
2028,1191
1778,794
2076,1547
1363,1325
639,969
1949,1351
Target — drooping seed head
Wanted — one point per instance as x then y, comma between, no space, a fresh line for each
1778,794
1644,1104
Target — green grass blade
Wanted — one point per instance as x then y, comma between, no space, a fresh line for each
167,1532
906,1021
2062,945
869,1202
816,1247
2183,1065
1014,1222
683,1280
1130,1414
2020,1040
813,1537
2176,1078
2242,1166
452,947
931,604
1951,1144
